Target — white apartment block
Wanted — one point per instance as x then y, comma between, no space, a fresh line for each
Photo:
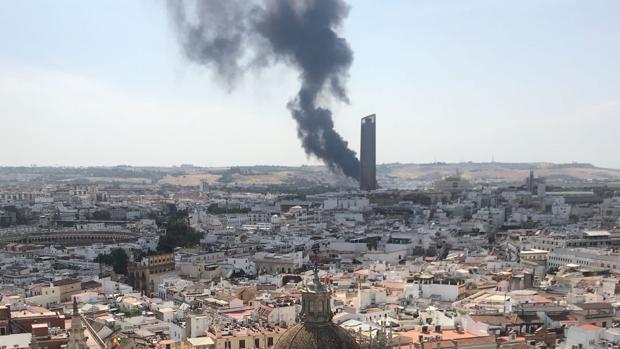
595,258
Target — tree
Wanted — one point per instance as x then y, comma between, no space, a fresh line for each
20,214
371,244
553,270
117,258
215,209
102,215
132,312
178,232
166,243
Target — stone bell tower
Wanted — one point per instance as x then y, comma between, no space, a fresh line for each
316,329
315,302
77,339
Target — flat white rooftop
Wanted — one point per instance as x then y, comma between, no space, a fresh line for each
596,233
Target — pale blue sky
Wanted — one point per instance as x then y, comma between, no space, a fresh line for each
104,83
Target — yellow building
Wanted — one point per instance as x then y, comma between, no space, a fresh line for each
68,288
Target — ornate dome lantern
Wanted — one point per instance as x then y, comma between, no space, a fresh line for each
316,330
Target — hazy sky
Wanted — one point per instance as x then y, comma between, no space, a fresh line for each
104,83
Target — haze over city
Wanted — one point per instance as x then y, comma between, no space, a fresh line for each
516,81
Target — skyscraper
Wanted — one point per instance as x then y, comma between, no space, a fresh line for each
368,156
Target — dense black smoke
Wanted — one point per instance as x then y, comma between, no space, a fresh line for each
231,36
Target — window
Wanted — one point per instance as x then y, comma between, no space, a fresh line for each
269,341
242,343
227,345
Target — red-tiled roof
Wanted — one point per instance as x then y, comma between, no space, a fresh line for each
588,327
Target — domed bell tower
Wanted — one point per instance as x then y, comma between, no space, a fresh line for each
315,302
316,330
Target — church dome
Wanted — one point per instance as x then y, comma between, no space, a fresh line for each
316,336
316,330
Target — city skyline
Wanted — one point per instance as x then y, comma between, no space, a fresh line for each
517,82
211,174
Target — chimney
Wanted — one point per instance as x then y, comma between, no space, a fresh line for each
40,330
5,312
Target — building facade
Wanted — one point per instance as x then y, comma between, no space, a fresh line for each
144,275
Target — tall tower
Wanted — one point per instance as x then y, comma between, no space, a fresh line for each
368,156
77,339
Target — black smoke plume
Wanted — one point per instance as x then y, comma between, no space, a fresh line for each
231,36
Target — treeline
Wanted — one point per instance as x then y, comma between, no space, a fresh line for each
178,234
178,231
215,209
117,259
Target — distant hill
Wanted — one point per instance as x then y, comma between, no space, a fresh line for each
500,172
389,175
392,174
